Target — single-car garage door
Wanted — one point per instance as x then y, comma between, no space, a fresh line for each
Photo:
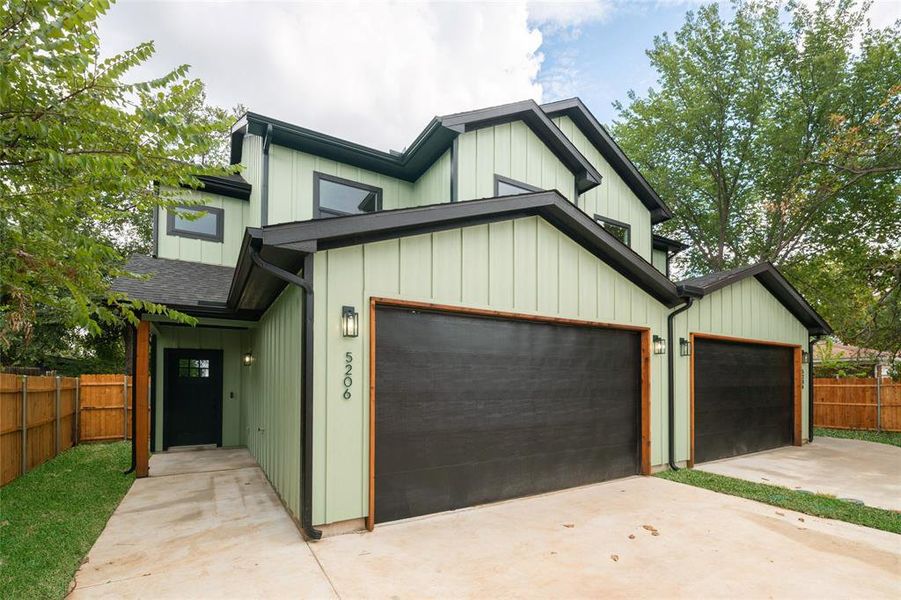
743,398
470,409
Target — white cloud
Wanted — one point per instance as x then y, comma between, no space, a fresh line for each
374,73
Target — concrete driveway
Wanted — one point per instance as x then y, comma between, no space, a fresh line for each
864,471
223,534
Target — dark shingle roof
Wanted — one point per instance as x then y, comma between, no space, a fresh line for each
712,279
176,283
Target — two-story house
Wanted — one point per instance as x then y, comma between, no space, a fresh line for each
485,315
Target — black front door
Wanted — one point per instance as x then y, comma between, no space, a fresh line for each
472,410
192,404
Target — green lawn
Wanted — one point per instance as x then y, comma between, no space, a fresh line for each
50,517
883,437
819,505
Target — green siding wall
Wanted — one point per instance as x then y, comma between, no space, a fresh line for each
203,251
229,341
525,265
658,259
511,150
745,309
612,198
272,387
252,162
434,186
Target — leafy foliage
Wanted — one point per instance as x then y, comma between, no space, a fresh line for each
775,137
83,155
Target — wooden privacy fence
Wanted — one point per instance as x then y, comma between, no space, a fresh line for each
42,416
857,403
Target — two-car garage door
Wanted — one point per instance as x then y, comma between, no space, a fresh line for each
470,409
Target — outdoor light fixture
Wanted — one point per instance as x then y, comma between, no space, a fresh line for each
804,356
247,359
684,347
350,321
659,345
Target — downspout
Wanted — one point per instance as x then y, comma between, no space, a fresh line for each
811,342
670,390
264,187
306,394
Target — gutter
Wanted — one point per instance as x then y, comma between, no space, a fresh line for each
811,342
670,389
306,393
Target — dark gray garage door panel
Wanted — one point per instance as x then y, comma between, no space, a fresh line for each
472,410
744,397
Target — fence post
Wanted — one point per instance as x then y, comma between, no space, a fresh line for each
56,416
878,400
24,424
77,417
125,407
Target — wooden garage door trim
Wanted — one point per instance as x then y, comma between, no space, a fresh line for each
645,457
796,426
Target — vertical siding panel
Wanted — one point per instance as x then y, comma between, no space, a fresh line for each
416,266
500,264
382,267
568,267
446,273
502,142
475,265
519,152
467,170
485,163
548,268
525,257
605,292
588,285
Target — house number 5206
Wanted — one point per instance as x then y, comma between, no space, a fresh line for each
348,369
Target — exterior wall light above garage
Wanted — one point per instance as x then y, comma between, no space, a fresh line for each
350,321
684,347
659,345
247,359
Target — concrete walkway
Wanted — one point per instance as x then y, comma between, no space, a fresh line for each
206,524
864,471
222,533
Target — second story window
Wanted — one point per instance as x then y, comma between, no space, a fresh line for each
333,197
198,222
619,230
504,186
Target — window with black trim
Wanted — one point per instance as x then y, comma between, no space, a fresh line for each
334,196
619,230
198,222
504,186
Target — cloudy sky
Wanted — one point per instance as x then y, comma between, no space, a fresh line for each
376,72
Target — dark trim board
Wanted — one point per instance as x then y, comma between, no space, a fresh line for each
645,385
797,416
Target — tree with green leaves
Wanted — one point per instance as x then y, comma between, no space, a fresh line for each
775,135
83,156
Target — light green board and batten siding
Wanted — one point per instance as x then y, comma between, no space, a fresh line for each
236,219
272,388
229,341
613,198
658,259
523,265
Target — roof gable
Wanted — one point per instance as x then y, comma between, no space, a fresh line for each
428,146
612,153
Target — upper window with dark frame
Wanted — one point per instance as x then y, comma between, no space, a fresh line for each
334,197
504,186
619,230
198,222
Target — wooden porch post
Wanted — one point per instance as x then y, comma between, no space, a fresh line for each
141,383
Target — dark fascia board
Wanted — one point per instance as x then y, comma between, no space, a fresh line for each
322,234
252,289
430,144
625,168
770,277
669,245
531,114
233,186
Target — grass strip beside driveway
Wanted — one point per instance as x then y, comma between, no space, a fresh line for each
818,505
892,438
51,516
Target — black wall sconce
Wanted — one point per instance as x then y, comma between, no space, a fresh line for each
247,358
659,345
805,356
684,347
350,321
